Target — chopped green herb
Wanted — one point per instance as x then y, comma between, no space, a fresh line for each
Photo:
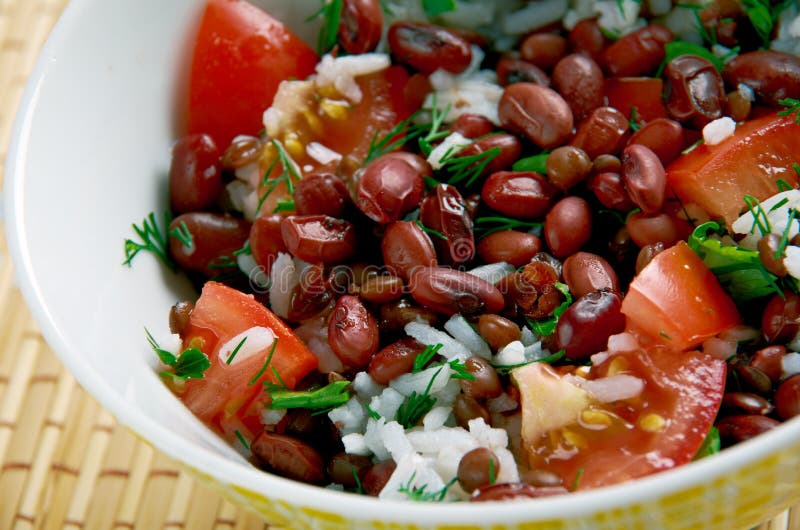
692,147
433,129
633,121
550,359
434,8
677,48
288,176
244,250
229,360
792,107
419,494
284,205
711,445
784,241
758,11
664,335
778,204
223,262
372,414
153,239
544,327
416,405
460,371
760,217
266,363
423,358
331,13
796,167
492,473
241,439
330,396
431,231
182,234
166,357
190,364
359,485
610,35
537,163
577,481
483,225
468,169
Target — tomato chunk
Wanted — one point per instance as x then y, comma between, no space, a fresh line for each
641,93
677,300
717,177
240,57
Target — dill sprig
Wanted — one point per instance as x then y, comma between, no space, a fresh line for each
238,347
792,107
153,239
423,358
266,363
288,176
182,234
331,13
416,405
491,224
469,168
407,131
241,439
419,493
760,217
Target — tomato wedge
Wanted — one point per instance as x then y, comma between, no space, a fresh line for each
677,300
220,314
641,93
717,177
241,55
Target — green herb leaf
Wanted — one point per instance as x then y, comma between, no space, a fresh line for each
468,169
266,363
550,359
423,358
758,11
792,107
633,121
330,396
152,238
537,163
416,405
371,413
431,231
229,360
577,481
544,327
711,445
460,370
677,48
165,356
288,176
182,234
331,13
191,364
419,494
241,439
434,8
284,205
484,225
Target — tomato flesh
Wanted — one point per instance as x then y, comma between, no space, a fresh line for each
641,93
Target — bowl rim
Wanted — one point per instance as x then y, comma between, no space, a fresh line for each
574,505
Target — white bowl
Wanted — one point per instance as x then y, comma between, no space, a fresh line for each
89,155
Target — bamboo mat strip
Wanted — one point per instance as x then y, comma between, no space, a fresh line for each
64,462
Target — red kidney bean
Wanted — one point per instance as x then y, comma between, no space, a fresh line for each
377,476
472,126
585,326
753,379
314,238
605,131
443,210
585,272
394,360
637,53
360,25
477,468
392,185
406,247
514,490
781,318
609,190
214,236
497,331
644,177
467,408
427,47
179,317
510,71
321,194
381,289
646,255
769,361
522,194
451,291
486,384
743,427
397,313
195,174
587,38
662,136
508,145
511,246
579,80
243,150
787,398
543,49
567,166
289,457
694,92
348,470
312,295
769,247
606,162
353,332
747,402
568,226
538,113
649,229
266,240
771,74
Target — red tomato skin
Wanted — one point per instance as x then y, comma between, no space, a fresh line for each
678,301
240,57
750,162
220,314
643,93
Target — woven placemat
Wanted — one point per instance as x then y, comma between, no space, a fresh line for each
64,462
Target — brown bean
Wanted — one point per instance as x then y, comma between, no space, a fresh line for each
466,408
605,131
477,468
644,177
471,125
381,289
392,185
694,91
771,74
739,106
377,476
637,53
405,247
646,255
511,246
522,194
243,150
747,402
586,325
787,398
195,174
179,317
486,383
347,469
311,295
443,210
649,229
510,71
587,38
781,318
606,162
321,194
662,136
579,80
753,379
214,237
568,226
585,272
314,238
497,331
769,361
451,291
509,148
394,360
396,314
543,49
266,240
610,191
360,25
513,491
743,427
289,457
537,112
771,255
353,332
428,47
567,166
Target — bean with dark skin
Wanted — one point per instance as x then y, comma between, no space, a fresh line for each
392,185
567,166
477,468
744,426
405,247
428,47
289,457
773,75
466,408
243,150
510,71
344,469
769,361
663,136
394,360
311,295
644,178
314,238
321,194
377,476
587,38
585,272
510,246
360,25
381,289
637,53
579,80
787,398
751,378
693,92
396,314
486,384
497,330
513,491
509,148
747,402
266,240
522,194
646,255
568,226
605,131
536,112
443,210
533,290
585,326
353,332
739,106
179,316
195,174
543,49
606,162
768,248
472,126
655,228
781,318
607,186
451,291
214,236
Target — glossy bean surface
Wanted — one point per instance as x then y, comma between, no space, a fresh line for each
604,131
451,291
321,194
195,174
360,25
353,332
444,211
579,80
394,360
214,236
585,272
314,238
568,226
773,75
644,177
695,93
391,186
537,112
428,47
477,468
289,457
522,194
405,247
585,326
510,246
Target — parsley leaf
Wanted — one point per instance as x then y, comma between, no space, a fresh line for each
434,8
329,396
190,364
545,327
711,445
537,163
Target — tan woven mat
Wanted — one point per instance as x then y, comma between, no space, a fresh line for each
64,462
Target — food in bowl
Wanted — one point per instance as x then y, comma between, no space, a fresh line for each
452,272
